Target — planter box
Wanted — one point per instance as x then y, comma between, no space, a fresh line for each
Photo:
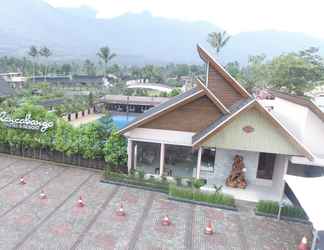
201,203
121,183
286,218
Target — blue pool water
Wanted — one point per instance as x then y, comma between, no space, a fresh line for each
122,120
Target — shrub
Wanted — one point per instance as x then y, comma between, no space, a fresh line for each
191,194
140,174
272,207
179,192
137,181
178,181
198,183
164,179
115,150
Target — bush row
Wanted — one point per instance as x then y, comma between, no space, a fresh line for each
272,207
137,178
91,141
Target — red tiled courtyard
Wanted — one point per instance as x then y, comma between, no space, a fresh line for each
28,222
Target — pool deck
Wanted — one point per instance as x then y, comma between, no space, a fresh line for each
86,119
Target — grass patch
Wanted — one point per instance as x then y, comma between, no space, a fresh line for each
196,195
272,207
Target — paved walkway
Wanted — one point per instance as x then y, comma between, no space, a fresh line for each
28,222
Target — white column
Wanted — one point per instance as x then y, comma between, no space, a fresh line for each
286,162
199,162
162,153
135,156
315,235
130,154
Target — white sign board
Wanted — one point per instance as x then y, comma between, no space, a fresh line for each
25,123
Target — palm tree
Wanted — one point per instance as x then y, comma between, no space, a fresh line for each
45,52
33,52
105,55
218,40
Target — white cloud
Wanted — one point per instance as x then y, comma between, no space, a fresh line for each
232,15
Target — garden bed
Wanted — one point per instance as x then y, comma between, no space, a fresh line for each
288,212
195,196
136,182
201,203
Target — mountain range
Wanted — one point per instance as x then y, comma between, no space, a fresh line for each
76,33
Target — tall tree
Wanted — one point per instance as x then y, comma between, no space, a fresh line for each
105,55
218,40
33,52
89,68
46,53
256,73
296,73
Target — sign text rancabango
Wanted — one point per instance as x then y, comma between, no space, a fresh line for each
25,123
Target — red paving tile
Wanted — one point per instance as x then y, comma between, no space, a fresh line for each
58,223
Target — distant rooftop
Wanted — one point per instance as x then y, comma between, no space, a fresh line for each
135,100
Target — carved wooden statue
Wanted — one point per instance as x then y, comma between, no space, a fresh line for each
236,179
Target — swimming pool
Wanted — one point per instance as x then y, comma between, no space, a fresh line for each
121,121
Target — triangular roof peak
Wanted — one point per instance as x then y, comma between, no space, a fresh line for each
219,69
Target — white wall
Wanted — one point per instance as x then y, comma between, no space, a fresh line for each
223,166
280,169
301,121
224,162
314,134
160,136
291,115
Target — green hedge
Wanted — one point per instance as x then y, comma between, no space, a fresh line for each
137,180
272,207
196,195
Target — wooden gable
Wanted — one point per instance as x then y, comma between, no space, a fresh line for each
220,82
190,117
224,91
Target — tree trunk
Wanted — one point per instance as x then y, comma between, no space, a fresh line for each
34,72
45,72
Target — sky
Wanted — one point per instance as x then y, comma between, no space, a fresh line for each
232,15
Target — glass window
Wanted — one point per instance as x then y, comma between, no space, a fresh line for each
266,166
208,159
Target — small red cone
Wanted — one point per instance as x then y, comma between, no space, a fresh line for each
80,202
303,244
22,180
209,229
166,221
42,195
120,211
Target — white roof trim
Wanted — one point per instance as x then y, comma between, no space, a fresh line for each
160,111
299,160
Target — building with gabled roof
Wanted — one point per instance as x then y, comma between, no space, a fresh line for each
198,134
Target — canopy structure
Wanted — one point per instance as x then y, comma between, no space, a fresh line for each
308,192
